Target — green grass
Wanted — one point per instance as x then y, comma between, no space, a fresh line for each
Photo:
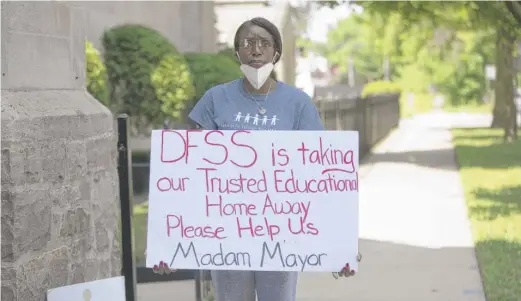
139,223
471,108
491,175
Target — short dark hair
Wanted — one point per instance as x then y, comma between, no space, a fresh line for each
268,26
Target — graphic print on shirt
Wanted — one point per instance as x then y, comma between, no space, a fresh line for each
253,121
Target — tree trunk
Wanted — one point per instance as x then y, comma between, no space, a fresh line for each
504,114
499,97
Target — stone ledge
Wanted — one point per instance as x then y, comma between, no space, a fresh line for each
59,192
71,114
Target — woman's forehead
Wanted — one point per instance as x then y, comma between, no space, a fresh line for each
254,31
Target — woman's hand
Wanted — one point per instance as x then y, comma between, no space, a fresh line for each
161,268
346,270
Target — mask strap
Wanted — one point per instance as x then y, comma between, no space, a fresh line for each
238,57
275,57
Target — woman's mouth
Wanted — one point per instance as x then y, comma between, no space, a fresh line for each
256,64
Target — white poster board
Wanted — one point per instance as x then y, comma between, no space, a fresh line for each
110,289
253,200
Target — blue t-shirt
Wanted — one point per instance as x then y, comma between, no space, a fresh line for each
230,107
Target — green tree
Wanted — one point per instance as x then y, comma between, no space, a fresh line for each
502,18
352,41
149,79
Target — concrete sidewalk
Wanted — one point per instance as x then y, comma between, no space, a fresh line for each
415,234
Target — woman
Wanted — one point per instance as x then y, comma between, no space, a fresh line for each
256,102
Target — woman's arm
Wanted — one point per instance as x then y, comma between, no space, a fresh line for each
309,119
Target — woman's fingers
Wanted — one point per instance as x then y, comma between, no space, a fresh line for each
159,269
162,268
345,272
166,269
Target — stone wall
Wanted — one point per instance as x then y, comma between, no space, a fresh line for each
60,207
189,25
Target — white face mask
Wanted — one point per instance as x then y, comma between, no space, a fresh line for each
257,77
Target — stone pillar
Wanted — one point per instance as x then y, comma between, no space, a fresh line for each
60,209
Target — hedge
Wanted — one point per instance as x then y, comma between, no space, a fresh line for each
211,69
381,87
230,53
148,77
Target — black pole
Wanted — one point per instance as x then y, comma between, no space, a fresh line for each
125,194
198,285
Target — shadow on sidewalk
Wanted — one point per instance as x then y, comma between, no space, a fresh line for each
436,159
394,271
476,146
398,271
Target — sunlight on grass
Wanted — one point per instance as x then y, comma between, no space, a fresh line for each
474,108
491,175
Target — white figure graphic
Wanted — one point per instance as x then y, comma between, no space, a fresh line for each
264,120
247,118
274,120
87,295
256,119
238,117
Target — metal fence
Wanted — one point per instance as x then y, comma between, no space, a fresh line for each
342,108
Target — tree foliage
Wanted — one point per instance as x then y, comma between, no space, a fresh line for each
149,79
441,45
96,74
209,70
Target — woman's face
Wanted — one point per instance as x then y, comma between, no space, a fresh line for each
256,46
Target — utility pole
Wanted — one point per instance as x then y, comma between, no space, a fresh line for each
387,68
350,72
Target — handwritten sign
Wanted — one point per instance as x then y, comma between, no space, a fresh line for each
253,200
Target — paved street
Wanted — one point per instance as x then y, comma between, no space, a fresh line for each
414,230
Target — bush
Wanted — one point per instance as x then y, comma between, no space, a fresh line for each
141,156
96,74
210,69
230,52
381,87
148,77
